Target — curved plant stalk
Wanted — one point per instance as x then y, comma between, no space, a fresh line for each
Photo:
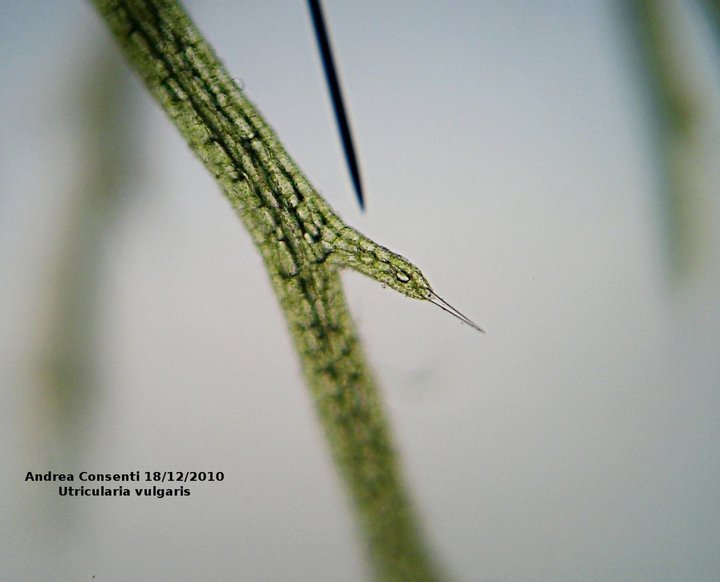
676,115
304,245
67,353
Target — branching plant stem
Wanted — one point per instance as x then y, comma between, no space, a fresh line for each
304,245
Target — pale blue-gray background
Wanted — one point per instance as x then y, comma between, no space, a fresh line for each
505,149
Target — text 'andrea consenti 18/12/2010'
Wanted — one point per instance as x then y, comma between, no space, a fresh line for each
157,484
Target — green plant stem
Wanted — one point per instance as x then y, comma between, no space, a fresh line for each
304,244
68,352
672,97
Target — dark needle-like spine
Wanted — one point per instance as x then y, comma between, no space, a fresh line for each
336,96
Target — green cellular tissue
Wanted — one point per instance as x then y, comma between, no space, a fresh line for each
304,245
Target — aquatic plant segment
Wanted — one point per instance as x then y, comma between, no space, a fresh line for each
676,113
304,245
